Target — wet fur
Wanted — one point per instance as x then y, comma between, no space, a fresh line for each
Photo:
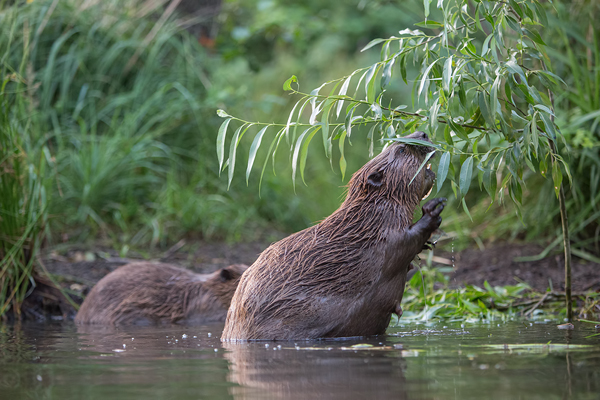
346,275
148,293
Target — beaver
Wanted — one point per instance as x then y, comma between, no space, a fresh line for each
344,276
145,293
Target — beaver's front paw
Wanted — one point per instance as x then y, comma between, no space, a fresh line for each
431,213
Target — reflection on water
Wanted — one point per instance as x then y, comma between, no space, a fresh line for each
442,361
309,371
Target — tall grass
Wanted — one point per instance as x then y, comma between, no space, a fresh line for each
23,199
120,96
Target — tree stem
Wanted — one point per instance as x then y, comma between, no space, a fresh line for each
567,246
563,218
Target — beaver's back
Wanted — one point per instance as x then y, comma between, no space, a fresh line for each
147,293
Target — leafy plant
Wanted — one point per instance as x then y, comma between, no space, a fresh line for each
484,90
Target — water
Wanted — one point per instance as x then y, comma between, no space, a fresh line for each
414,361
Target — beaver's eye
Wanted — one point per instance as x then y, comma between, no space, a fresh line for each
375,178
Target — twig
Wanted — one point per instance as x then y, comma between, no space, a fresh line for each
538,303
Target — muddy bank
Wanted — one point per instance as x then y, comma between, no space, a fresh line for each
77,270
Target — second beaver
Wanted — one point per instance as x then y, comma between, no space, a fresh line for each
145,293
346,275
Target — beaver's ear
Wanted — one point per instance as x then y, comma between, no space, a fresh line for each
225,275
375,178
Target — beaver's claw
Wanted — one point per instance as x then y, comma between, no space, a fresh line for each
429,245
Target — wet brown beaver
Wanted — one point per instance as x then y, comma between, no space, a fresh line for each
346,275
147,293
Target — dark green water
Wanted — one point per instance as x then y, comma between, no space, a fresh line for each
414,361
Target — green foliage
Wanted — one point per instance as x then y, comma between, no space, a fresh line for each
428,296
482,81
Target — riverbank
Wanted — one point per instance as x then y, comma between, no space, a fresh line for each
77,269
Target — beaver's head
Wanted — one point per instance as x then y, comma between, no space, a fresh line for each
224,281
389,174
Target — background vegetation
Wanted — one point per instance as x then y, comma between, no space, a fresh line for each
108,123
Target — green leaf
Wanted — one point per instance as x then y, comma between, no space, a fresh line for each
433,116
430,24
442,170
253,150
343,91
376,108
486,45
541,14
515,68
233,149
556,177
304,151
494,96
446,75
386,75
221,142
543,108
485,111
287,85
457,129
425,77
325,125
403,68
466,209
426,6
349,117
342,158
417,142
427,157
296,154
277,138
462,95
466,172
373,43
490,183
370,82
533,35
222,113
549,125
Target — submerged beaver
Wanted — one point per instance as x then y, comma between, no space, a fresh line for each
147,293
346,275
